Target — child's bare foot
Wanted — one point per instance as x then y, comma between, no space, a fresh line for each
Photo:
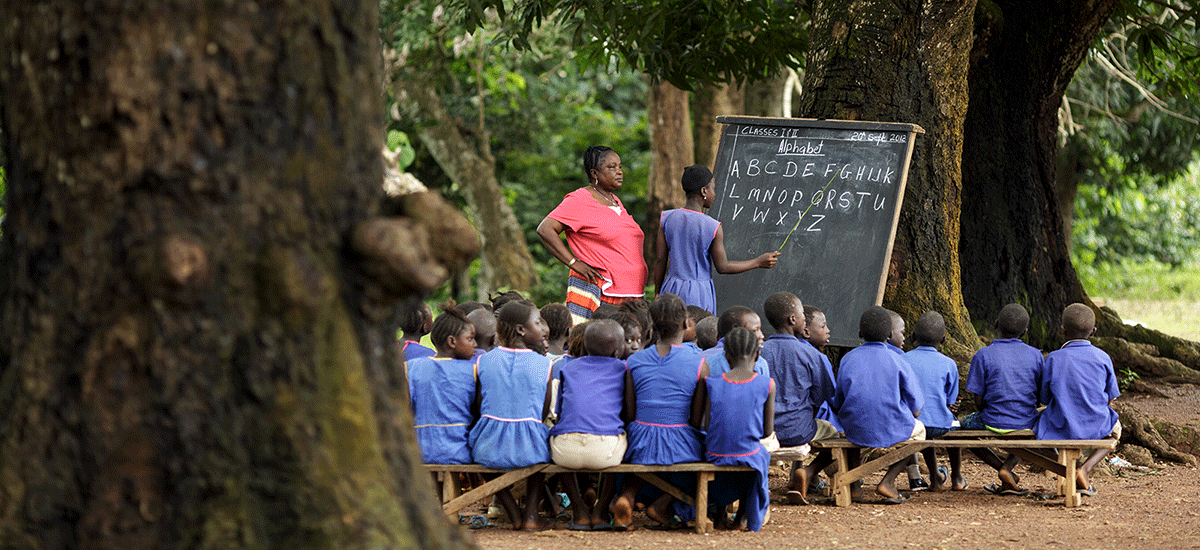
531,525
937,480
1008,480
798,488
1082,483
622,511
890,494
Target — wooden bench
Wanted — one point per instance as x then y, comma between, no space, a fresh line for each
1018,443
453,502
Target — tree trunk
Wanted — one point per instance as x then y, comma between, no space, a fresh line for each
906,61
671,143
505,252
765,97
1013,240
197,340
712,101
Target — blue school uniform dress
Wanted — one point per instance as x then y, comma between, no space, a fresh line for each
414,350
592,394
938,377
1078,384
510,433
1007,374
801,384
441,391
876,396
660,433
735,427
718,364
689,234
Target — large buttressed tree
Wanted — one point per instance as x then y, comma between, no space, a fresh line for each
197,346
1013,247
907,62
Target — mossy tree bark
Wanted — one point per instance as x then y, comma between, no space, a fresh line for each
1013,247
197,346
906,61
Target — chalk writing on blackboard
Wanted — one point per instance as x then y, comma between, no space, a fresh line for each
826,194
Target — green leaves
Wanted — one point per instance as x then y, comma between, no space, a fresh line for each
681,41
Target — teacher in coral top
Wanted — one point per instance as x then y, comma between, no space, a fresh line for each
605,254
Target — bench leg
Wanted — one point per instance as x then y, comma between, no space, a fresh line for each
703,524
840,488
449,485
1068,458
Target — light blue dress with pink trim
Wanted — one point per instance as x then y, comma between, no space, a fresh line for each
660,433
510,433
689,234
735,427
441,391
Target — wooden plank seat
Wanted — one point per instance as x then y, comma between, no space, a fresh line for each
1038,452
452,502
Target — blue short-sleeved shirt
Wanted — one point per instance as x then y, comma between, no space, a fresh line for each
876,396
1007,374
1079,382
938,377
801,385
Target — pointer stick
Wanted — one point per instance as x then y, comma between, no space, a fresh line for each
810,205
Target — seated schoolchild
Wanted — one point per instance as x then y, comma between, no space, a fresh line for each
695,314
895,342
816,334
590,431
510,432
485,330
415,321
735,317
706,333
737,407
640,309
938,377
877,398
442,391
1004,380
659,389
558,320
802,383
634,332
1078,387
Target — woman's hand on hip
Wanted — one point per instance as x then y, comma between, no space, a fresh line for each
588,272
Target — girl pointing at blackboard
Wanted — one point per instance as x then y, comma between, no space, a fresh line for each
690,244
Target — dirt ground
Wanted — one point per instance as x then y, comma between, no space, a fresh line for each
1134,509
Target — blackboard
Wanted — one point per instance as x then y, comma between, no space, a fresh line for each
829,193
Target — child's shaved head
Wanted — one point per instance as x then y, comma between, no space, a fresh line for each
706,332
604,338
780,306
1078,321
875,325
1013,321
930,329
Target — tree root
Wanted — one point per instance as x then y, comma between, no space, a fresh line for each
1139,429
1184,352
1146,359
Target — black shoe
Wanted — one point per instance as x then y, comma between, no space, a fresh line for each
918,484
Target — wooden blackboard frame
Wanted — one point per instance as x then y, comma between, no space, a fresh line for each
895,141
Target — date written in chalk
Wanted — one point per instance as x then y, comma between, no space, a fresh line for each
880,137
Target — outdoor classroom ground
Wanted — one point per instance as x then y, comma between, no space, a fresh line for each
1133,510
